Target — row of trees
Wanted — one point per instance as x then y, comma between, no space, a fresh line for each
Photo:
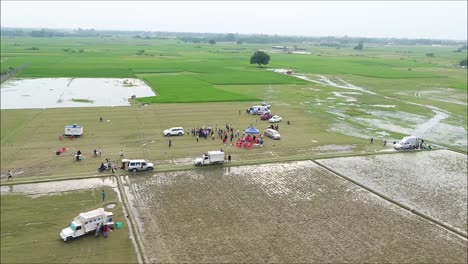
227,37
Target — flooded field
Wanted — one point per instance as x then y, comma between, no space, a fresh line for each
346,102
432,182
59,186
283,212
70,92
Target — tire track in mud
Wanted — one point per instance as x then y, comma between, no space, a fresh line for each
383,196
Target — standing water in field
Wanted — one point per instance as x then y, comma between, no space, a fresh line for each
70,92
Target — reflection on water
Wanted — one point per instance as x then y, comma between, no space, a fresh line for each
74,92
59,186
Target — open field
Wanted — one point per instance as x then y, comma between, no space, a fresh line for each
34,214
283,212
29,141
434,183
335,100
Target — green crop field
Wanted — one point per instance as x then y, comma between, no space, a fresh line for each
342,99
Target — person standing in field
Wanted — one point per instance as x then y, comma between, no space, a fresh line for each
197,138
105,230
103,195
10,176
98,227
229,158
170,143
372,140
121,154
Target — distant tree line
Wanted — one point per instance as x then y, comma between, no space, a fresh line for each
227,37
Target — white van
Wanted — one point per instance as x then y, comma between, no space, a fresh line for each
139,165
258,109
410,142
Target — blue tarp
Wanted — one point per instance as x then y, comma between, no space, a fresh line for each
251,130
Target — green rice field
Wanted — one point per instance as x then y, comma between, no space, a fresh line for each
332,104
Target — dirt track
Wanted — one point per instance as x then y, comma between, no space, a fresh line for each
285,212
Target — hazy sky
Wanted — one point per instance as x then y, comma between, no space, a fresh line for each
401,19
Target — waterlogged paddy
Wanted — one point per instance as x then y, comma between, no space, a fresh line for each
59,186
70,92
432,182
283,212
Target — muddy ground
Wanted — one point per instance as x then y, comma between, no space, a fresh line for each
284,212
433,182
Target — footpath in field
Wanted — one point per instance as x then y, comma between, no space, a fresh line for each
283,212
432,182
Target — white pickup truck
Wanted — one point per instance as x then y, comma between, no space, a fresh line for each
211,157
85,223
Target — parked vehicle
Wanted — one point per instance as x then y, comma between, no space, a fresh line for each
174,131
275,119
266,116
410,142
140,165
85,223
272,133
258,109
211,157
267,105
74,130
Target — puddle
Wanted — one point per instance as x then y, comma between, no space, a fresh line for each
47,188
70,92
431,128
111,205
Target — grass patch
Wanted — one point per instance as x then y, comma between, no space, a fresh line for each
188,89
30,229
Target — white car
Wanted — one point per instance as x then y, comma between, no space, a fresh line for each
275,119
139,165
174,131
266,104
272,133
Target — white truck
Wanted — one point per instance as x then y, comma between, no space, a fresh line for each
85,223
211,157
410,142
258,110
73,130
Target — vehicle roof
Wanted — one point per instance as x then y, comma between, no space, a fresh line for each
214,152
137,160
93,213
176,128
408,137
272,131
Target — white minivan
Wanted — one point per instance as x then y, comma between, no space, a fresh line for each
139,165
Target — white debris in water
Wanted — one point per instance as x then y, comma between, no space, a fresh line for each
385,106
347,98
